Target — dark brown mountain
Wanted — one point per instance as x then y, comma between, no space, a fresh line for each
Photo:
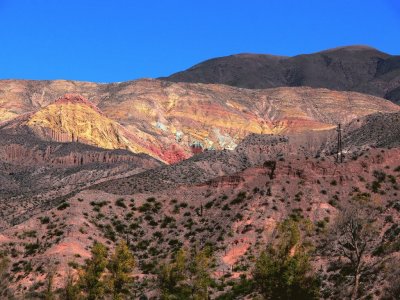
355,68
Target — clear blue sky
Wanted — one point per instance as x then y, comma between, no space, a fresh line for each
118,40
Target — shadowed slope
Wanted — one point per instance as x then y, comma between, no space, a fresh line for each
355,68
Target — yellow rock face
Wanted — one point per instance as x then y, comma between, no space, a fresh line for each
74,119
80,124
6,114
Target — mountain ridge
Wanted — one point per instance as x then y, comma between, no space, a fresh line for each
351,68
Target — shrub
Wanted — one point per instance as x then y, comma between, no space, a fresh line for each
99,204
239,198
362,197
109,233
298,196
238,217
209,204
375,186
120,202
333,202
379,175
145,207
44,220
226,207
31,248
63,206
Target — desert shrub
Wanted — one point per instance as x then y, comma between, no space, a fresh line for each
31,248
167,220
63,206
109,233
239,198
142,245
120,202
145,207
119,226
44,220
379,175
238,217
98,203
333,202
375,186
58,232
298,196
226,207
362,197
392,179
209,204
29,233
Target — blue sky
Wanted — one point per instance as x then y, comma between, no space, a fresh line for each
118,40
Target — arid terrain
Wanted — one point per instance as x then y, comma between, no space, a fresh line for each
168,165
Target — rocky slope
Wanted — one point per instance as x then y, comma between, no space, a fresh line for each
72,118
355,68
171,121
236,210
379,130
376,130
36,175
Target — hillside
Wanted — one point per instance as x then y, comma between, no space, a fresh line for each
171,121
234,205
355,68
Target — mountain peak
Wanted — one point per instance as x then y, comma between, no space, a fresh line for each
352,48
76,99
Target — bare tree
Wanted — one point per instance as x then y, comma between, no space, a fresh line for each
354,239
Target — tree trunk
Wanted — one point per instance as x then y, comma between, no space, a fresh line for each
355,288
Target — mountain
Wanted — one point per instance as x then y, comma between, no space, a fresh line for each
172,121
355,68
165,166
